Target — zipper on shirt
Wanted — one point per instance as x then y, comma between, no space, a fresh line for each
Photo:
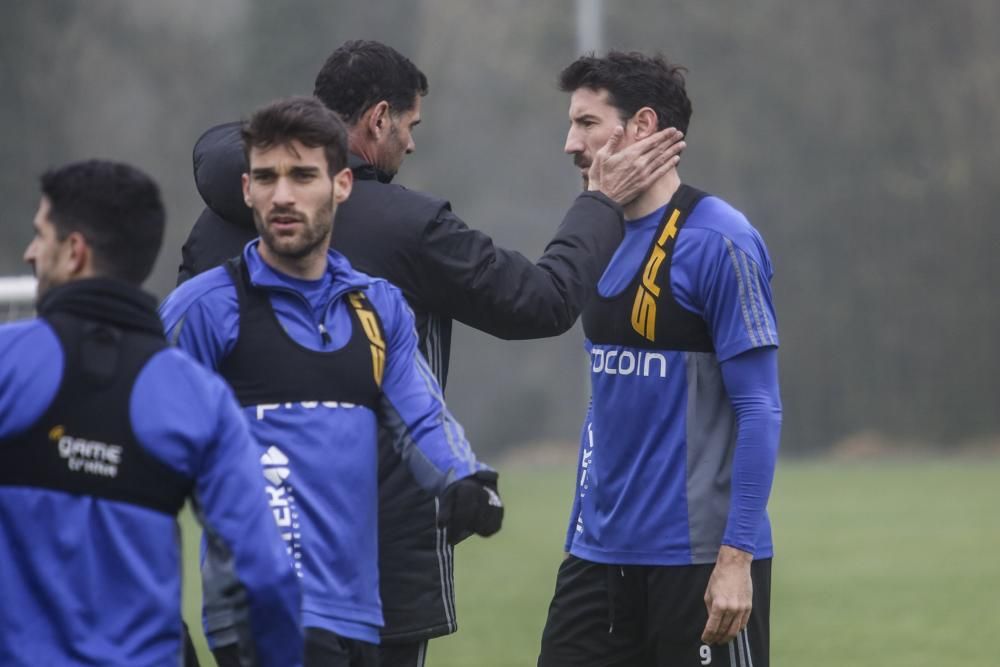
324,334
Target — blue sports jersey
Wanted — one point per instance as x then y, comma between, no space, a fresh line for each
88,580
319,458
679,445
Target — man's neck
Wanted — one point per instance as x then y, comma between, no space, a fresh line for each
310,267
656,196
356,144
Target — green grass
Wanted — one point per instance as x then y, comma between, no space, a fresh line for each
877,564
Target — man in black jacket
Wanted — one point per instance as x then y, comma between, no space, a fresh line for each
446,271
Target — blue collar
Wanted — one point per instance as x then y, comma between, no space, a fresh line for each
343,277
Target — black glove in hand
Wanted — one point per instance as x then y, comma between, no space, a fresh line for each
471,505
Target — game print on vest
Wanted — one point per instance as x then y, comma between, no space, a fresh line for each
84,443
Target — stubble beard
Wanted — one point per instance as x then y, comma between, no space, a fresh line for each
42,287
395,152
314,234
581,163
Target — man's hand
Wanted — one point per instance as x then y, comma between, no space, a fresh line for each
624,174
471,505
729,596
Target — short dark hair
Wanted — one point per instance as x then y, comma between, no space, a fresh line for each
634,80
362,73
300,118
115,207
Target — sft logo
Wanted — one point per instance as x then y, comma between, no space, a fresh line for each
644,307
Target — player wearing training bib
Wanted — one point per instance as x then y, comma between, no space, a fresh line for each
661,431
321,357
446,270
669,544
105,431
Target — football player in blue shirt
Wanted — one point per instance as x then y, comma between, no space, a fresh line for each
321,356
669,544
105,430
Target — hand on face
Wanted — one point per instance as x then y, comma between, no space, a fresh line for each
622,163
624,173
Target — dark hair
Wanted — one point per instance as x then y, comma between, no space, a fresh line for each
634,80
303,119
115,207
362,73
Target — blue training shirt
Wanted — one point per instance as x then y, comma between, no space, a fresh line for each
320,458
87,580
678,448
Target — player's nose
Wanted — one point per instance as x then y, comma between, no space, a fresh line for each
284,193
573,143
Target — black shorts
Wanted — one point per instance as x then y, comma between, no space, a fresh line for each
413,654
322,649
646,616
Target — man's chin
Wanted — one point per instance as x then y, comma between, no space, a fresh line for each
293,248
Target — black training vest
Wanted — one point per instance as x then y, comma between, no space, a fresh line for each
646,314
84,443
267,366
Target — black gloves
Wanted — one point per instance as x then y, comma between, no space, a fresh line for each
471,505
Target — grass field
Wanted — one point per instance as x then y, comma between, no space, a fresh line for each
890,563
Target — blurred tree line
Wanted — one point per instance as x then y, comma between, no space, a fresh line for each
855,136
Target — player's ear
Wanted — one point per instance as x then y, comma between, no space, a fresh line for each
645,122
78,255
343,183
245,179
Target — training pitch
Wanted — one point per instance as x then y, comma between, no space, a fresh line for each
886,563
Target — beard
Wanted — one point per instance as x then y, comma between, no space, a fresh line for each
393,153
583,164
42,286
306,239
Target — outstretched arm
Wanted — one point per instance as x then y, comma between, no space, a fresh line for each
503,293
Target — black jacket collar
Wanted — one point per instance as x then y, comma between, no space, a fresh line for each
365,171
219,161
106,300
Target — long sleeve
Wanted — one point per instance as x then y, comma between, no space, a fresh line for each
31,363
229,501
203,323
751,380
725,278
412,408
503,293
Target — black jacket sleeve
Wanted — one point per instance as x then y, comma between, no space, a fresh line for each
503,293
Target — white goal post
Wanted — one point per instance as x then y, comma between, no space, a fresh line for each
17,297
